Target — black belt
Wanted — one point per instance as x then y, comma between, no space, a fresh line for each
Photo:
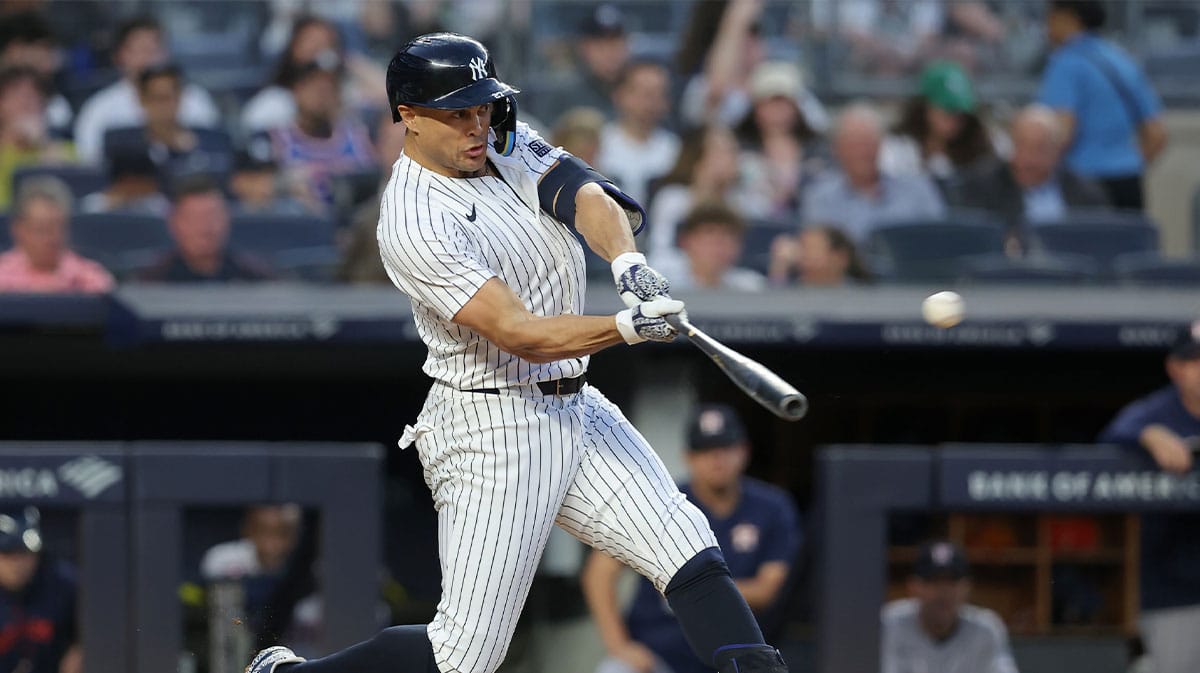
555,387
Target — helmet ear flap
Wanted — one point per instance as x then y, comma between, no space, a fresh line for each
504,123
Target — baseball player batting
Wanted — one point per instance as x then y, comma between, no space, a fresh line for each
477,227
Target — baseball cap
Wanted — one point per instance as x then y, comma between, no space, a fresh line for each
1187,344
941,559
945,84
776,78
255,156
20,530
603,21
713,426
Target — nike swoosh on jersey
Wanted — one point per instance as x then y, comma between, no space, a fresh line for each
471,217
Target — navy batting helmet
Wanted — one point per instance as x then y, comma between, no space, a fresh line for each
449,71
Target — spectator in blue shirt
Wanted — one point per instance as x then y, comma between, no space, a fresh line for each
1109,112
1166,424
755,524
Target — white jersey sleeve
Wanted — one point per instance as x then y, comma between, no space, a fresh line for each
432,260
531,154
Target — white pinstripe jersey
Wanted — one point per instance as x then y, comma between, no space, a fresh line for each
442,238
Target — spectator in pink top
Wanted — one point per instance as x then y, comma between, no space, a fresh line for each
41,259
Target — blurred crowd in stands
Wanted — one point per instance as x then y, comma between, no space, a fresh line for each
117,164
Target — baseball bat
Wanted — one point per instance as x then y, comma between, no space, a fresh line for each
761,384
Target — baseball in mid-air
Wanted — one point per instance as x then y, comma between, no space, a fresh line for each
943,309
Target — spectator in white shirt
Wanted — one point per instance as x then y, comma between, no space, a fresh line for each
635,149
711,239
140,44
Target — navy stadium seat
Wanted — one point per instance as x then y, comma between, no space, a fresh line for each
756,245
1196,219
122,242
1152,269
82,180
300,244
1101,236
933,249
1031,270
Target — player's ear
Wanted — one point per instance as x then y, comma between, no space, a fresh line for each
407,115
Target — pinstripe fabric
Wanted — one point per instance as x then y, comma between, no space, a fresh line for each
439,257
503,469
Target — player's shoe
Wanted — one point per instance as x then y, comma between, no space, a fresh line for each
271,658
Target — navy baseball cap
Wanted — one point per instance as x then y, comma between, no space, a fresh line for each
20,530
604,21
713,426
1187,344
941,559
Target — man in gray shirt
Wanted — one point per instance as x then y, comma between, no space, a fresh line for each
935,631
857,195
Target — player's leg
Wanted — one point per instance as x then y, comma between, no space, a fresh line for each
624,502
498,467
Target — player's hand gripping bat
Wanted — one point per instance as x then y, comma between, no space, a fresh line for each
761,384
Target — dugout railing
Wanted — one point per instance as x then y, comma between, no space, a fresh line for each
859,486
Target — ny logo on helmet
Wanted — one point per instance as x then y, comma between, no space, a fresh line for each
478,68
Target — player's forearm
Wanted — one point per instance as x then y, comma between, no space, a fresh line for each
599,584
561,337
603,224
1155,437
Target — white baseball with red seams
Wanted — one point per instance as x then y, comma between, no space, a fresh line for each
943,309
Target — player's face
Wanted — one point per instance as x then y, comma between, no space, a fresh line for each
16,569
449,142
940,600
1185,374
718,468
273,532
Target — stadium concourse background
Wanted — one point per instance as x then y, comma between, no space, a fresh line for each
314,357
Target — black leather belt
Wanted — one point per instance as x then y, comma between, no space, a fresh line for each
555,387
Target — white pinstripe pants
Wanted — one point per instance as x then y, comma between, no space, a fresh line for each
503,469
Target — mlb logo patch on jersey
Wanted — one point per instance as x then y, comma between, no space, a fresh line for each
538,147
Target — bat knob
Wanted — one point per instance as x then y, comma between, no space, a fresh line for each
793,407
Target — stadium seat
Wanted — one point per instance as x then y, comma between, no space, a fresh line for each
1153,269
1196,219
121,242
5,233
934,249
756,246
301,245
82,180
1032,270
1098,235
